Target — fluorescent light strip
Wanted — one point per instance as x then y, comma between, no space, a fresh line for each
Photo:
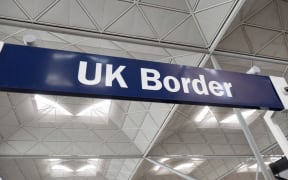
86,168
40,99
184,166
233,118
156,168
100,109
202,114
61,168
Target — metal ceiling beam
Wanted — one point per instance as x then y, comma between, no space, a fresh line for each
140,41
96,34
70,157
250,57
202,157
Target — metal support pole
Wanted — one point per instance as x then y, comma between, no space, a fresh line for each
247,133
170,169
277,132
252,144
257,172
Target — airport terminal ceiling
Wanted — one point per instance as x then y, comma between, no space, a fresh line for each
44,137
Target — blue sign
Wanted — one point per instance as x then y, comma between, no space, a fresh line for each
47,71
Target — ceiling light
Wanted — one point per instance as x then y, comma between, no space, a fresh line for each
197,159
44,103
87,168
99,109
59,167
183,166
54,160
156,168
163,160
202,114
254,166
233,118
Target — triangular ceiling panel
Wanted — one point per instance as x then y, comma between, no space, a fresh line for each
253,6
259,37
7,131
189,60
22,135
4,100
142,49
68,13
57,147
9,119
229,43
40,133
187,33
57,135
267,17
10,9
208,3
179,4
136,23
22,146
39,149
210,26
35,7
105,11
98,43
7,149
283,6
276,48
163,20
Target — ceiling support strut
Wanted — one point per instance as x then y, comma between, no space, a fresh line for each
248,134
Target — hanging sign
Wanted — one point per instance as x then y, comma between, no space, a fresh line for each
39,70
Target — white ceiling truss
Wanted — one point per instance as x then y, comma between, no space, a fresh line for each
179,32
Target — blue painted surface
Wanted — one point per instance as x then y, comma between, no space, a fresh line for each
47,71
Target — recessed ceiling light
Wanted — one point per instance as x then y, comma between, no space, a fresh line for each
184,166
233,118
46,104
87,167
156,168
99,109
254,166
59,167
202,114
54,160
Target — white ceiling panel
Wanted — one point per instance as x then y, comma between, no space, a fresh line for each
142,49
187,32
267,17
34,7
209,4
169,3
276,48
136,23
189,60
236,36
105,12
163,20
68,13
10,9
259,40
210,26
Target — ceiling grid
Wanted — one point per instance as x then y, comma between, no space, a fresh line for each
133,130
